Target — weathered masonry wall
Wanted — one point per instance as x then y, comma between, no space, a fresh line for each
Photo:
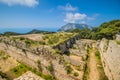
23,53
64,47
27,58
110,55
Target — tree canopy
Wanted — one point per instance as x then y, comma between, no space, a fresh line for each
106,30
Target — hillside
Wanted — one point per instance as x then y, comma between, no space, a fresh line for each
106,30
35,31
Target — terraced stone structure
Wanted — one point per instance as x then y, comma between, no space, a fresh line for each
30,55
110,54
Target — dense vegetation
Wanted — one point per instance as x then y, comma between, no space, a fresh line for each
54,39
106,30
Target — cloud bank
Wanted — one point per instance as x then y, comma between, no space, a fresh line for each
72,18
73,15
29,3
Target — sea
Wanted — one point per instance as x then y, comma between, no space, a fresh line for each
25,30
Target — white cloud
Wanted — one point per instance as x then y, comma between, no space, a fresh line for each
67,7
72,18
29,3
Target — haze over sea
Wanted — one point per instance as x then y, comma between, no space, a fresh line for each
25,30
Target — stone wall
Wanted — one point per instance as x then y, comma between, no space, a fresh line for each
64,47
23,53
27,58
110,55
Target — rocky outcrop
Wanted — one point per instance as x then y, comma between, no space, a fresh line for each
24,47
110,55
64,47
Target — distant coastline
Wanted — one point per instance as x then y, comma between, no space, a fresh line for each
25,30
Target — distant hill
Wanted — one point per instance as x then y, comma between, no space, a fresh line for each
71,26
35,31
11,33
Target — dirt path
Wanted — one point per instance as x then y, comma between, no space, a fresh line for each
93,73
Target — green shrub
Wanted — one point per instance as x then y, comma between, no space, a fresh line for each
4,55
49,77
79,68
68,69
39,66
3,75
97,54
20,69
118,42
50,68
75,74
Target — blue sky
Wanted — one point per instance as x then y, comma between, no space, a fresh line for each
49,14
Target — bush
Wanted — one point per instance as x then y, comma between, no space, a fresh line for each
76,74
97,54
79,68
50,68
68,69
39,66
118,42
3,75
4,55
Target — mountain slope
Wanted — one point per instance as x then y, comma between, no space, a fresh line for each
35,31
71,26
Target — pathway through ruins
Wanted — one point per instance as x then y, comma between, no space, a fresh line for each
93,73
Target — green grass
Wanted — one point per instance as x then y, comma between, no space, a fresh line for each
22,68
3,75
75,74
100,68
86,70
78,68
57,38
48,39
68,69
39,66
3,55
50,68
29,41
118,42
